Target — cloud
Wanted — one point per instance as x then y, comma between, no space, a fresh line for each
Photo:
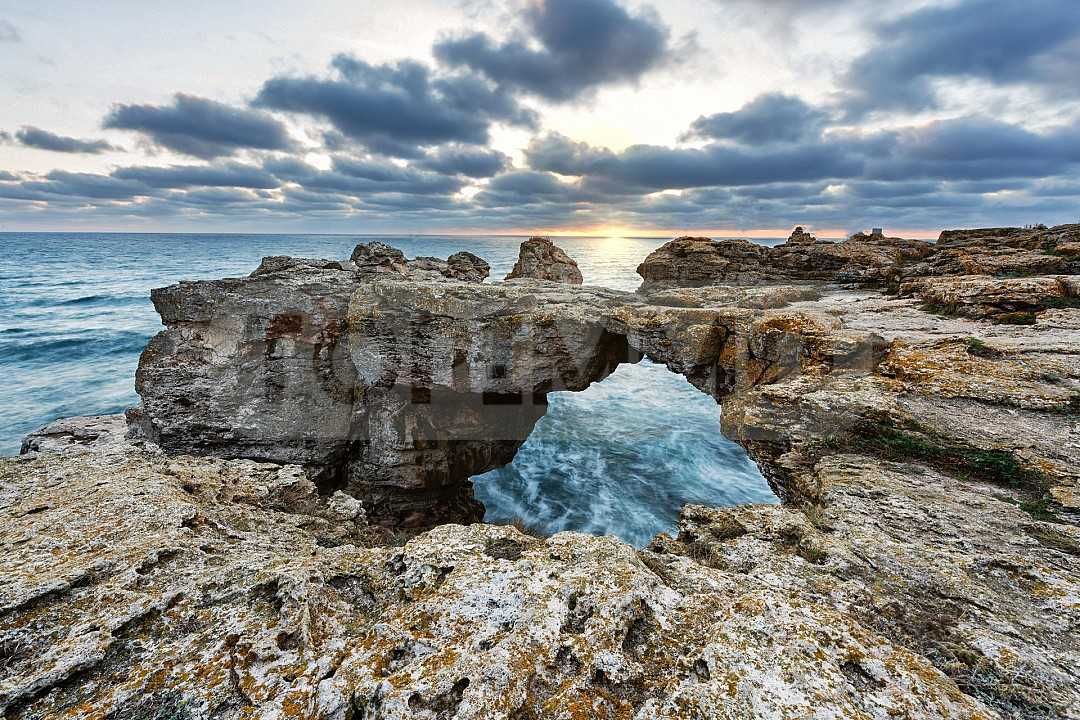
472,161
9,33
650,168
61,185
201,128
976,148
1034,43
5,176
520,187
773,117
582,45
358,176
336,141
393,107
44,140
958,149
235,175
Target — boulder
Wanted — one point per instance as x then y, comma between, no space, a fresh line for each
468,267
377,257
541,259
278,263
460,266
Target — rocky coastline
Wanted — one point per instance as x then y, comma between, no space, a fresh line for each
285,527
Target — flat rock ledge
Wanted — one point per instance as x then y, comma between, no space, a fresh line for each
239,554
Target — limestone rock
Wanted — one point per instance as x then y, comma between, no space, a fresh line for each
696,262
541,259
1001,251
1014,300
862,259
253,367
468,267
925,562
204,597
69,434
377,257
460,266
280,263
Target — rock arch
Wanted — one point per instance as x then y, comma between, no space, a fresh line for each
399,386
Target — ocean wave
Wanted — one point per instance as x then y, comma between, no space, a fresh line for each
622,458
52,350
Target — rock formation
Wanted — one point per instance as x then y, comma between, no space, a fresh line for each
225,560
698,262
541,259
377,257
861,259
460,266
801,237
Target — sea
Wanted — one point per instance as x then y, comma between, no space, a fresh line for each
620,458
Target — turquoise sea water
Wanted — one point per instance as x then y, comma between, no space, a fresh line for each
619,458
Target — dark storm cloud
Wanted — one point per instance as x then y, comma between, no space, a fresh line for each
1035,43
7,177
236,175
201,128
471,161
394,106
773,117
583,44
44,140
9,33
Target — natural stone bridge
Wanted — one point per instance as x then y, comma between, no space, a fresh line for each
399,386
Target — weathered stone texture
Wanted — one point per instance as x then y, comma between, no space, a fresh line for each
541,259
925,562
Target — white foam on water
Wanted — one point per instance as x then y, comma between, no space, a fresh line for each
622,458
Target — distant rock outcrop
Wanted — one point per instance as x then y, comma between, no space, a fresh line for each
697,262
863,259
541,259
801,237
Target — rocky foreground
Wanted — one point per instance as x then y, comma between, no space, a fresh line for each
237,547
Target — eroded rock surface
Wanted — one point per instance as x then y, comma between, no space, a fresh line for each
697,262
925,562
229,589
541,259
862,259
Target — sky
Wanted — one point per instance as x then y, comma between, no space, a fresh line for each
608,117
